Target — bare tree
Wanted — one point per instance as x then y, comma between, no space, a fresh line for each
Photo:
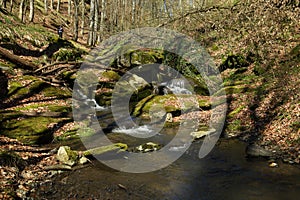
58,5
102,16
31,10
92,23
82,16
3,3
46,5
95,39
51,4
69,7
21,10
76,21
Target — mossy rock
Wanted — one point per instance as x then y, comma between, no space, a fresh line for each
36,86
170,103
68,54
58,92
140,57
111,75
29,130
68,135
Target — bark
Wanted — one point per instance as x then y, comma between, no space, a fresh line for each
21,10
69,7
95,39
3,3
102,16
58,5
82,16
31,10
92,23
133,11
51,4
46,5
76,21
11,6
17,60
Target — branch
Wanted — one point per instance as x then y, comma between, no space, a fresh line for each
194,12
16,59
57,63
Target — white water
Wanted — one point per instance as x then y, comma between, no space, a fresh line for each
139,131
178,86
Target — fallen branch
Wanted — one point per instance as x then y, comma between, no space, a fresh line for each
57,63
17,60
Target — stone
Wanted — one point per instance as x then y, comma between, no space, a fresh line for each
169,118
149,146
66,156
83,160
273,164
201,133
257,151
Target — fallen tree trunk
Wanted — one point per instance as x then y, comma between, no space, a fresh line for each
17,60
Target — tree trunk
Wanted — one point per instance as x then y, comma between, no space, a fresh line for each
51,4
3,3
31,10
102,15
16,59
82,16
133,12
58,6
92,23
46,5
95,39
21,10
76,7
69,7
11,6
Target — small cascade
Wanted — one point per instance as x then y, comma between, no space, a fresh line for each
79,96
178,86
135,131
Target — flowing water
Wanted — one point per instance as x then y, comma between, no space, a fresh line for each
226,173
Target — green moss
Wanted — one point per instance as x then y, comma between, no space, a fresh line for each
112,75
235,89
143,107
16,85
68,135
236,111
56,108
214,47
68,54
56,91
33,130
234,126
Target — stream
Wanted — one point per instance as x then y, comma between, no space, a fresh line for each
226,173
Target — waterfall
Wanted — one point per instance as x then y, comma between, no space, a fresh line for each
178,86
